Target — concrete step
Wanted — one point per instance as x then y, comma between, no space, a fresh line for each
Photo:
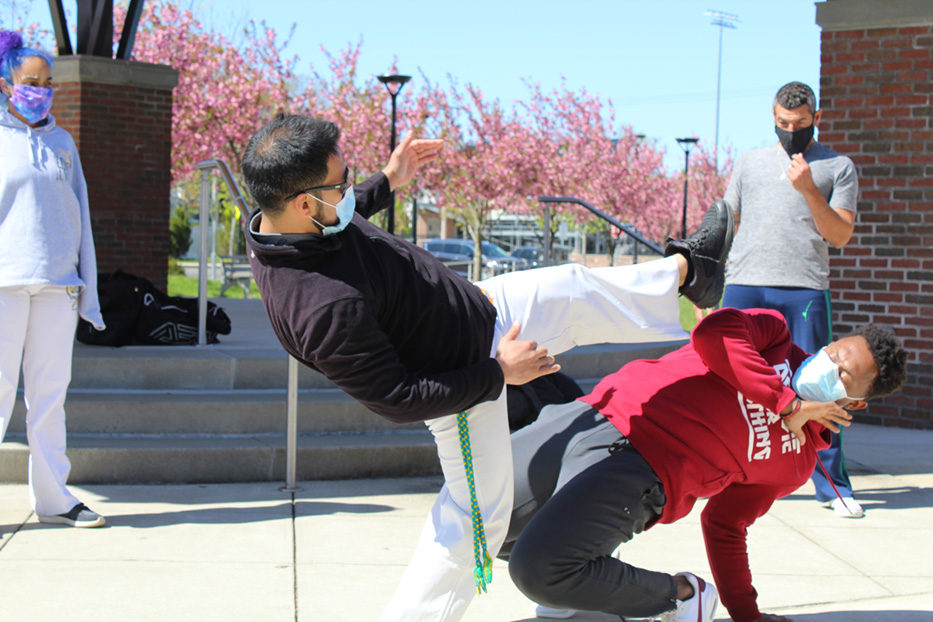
123,437
234,436
141,414
243,458
113,412
320,411
186,367
217,368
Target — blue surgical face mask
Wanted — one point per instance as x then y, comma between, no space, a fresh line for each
818,380
345,209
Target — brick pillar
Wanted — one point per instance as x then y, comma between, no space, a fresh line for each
120,115
876,81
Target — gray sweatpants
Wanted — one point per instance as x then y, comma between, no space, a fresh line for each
581,489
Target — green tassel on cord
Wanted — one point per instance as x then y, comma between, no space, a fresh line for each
482,573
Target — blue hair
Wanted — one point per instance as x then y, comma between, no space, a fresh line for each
12,54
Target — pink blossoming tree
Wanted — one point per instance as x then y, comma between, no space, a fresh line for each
224,92
496,157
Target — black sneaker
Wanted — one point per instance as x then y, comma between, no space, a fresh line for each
78,516
706,252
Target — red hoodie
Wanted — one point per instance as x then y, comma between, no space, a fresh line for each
704,417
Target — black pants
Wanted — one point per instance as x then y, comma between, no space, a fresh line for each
581,489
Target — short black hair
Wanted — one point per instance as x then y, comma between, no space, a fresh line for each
890,357
287,155
794,95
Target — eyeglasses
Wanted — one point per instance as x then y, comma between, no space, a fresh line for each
342,186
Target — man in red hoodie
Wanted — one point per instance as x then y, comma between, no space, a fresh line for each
737,415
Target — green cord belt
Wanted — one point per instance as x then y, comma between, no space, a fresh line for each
482,573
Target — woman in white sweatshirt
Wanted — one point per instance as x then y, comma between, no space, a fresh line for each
48,273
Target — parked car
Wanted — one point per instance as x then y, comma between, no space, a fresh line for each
459,262
534,255
458,254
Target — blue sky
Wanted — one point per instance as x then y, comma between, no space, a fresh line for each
656,60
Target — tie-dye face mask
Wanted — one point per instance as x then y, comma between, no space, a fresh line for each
33,102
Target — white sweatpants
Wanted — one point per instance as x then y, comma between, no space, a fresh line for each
37,328
559,307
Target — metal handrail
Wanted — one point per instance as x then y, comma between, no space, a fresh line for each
232,186
291,406
291,427
203,215
612,221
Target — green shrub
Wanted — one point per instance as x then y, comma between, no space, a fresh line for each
179,227
174,266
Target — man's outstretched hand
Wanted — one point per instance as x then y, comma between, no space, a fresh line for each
522,361
408,157
828,414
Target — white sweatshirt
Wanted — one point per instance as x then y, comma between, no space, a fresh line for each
45,224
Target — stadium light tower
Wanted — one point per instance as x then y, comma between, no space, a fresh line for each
723,20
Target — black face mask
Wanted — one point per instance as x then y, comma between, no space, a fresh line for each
796,141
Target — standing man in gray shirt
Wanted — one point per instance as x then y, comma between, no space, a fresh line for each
794,198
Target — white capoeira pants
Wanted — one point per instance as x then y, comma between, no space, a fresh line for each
559,307
37,329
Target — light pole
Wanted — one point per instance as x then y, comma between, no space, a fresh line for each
723,20
394,84
686,144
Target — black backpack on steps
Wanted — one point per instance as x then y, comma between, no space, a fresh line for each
138,313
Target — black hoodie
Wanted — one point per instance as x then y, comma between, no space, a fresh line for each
381,318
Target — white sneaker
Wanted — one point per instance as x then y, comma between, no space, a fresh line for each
701,607
846,507
541,611
78,516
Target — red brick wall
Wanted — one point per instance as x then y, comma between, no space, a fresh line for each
875,92
123,135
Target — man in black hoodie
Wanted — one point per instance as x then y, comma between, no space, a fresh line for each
412,341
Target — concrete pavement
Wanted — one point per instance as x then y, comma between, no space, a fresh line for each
335,550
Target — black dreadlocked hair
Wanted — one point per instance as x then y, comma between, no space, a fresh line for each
890,357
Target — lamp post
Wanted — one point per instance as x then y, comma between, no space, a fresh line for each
394,84
686,144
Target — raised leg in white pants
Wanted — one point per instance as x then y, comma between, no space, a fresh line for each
571,305
559,307
38,329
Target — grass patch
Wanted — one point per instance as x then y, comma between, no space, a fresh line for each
179,285
688,318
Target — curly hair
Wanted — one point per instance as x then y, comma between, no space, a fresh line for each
794,95
890,357
12,54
